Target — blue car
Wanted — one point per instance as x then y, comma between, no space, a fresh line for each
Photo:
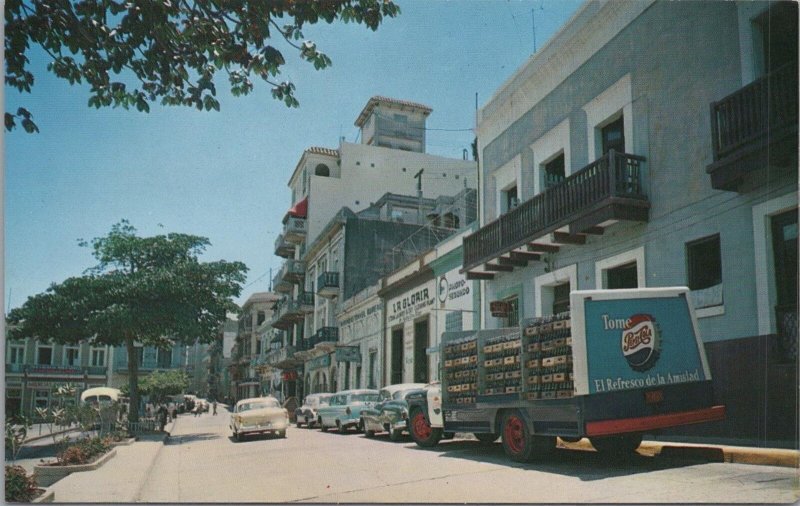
344,409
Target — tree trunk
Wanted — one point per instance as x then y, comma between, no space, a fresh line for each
133,380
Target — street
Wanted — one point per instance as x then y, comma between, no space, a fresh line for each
202,463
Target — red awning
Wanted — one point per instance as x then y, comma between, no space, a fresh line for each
299,210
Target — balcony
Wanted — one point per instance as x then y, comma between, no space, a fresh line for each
15,368
56,370
602,193
290,311
283,248
754,131
328,284
292,273
294,229
284,358
325,338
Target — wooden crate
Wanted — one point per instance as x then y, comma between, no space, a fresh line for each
563,394
508,360
487,348
534,347
533,379
513,374
548,395
531,331
559,377
473,359
532,396
548,362
559,325
534,363
547,378
448,363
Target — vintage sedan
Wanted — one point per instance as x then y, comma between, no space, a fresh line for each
390,414
344,409
259,415
307,413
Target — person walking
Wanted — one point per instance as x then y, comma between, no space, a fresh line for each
214,405
162,416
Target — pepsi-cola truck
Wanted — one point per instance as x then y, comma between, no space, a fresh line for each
620,364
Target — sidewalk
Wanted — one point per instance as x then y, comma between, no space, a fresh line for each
121,479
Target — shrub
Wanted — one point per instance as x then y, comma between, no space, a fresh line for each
83,451
19,486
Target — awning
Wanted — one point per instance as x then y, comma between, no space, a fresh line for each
299,210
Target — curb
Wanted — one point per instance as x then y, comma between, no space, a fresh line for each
47,475
709,453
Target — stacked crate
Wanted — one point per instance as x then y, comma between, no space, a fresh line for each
461,371
547,358
502,365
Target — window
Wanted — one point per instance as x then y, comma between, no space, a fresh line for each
258,347
397,356
554,171
612,136
454,321
16,354
164,358
322,170
44,355
41,398
512,320
358,376
72,356
421,343
510,199
98,358
451,220
261,317
777,30
561,298
373,361
704,263
620,277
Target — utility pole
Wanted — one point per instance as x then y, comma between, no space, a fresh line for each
418,177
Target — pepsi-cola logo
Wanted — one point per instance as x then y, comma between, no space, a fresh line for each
641,342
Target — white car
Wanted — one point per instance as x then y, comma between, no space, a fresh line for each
307,413
259,415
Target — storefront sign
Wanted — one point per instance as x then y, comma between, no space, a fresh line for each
348,354
289,375
55,370
319,362
411,304
452,286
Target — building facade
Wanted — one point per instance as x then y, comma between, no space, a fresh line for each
246,381
339,198
602,168
423,299
36,368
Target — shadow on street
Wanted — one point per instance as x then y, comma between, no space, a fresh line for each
581,464
189,438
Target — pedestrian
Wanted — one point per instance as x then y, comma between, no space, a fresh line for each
162,416
215,406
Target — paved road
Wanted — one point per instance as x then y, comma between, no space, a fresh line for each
203,464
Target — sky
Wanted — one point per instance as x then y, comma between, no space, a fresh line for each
223,175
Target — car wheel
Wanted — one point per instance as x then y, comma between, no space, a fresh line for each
617,445
519,444
322,426
396,434
421,431
369,433
298,424
360,427
339,426
282,434
237,436
486,437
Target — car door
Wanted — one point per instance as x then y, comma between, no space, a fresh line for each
328,413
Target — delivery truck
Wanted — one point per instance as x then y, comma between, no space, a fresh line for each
618,365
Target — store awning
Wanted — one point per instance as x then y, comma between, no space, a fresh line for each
299,210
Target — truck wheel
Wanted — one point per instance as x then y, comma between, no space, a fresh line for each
360,427
369,433
486,437
281,433
519,444
237,436
421,431
617,445
448,435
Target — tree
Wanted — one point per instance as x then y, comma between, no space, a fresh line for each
134,53
160,384
150,291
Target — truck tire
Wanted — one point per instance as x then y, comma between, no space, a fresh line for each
519,444
486,437
421,431
621,444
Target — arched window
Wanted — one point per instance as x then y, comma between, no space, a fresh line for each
322,170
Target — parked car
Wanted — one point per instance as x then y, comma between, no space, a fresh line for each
344,409
259,415
307,413
390,414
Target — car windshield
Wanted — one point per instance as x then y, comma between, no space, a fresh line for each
324,401
364,398
257,405
401,394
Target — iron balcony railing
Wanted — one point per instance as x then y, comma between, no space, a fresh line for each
283,248
292,272
764,107
786,324
294,230
615,175
328,284
324,335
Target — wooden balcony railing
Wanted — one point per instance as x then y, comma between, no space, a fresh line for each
763,106
615,175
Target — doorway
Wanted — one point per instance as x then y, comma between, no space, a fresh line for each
397,356
784,247
421,343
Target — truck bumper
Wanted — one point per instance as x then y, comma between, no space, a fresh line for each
654,422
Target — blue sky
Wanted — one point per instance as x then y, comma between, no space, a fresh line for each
223,174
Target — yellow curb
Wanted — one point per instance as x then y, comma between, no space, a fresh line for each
714,453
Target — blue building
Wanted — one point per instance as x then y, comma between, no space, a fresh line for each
651,144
